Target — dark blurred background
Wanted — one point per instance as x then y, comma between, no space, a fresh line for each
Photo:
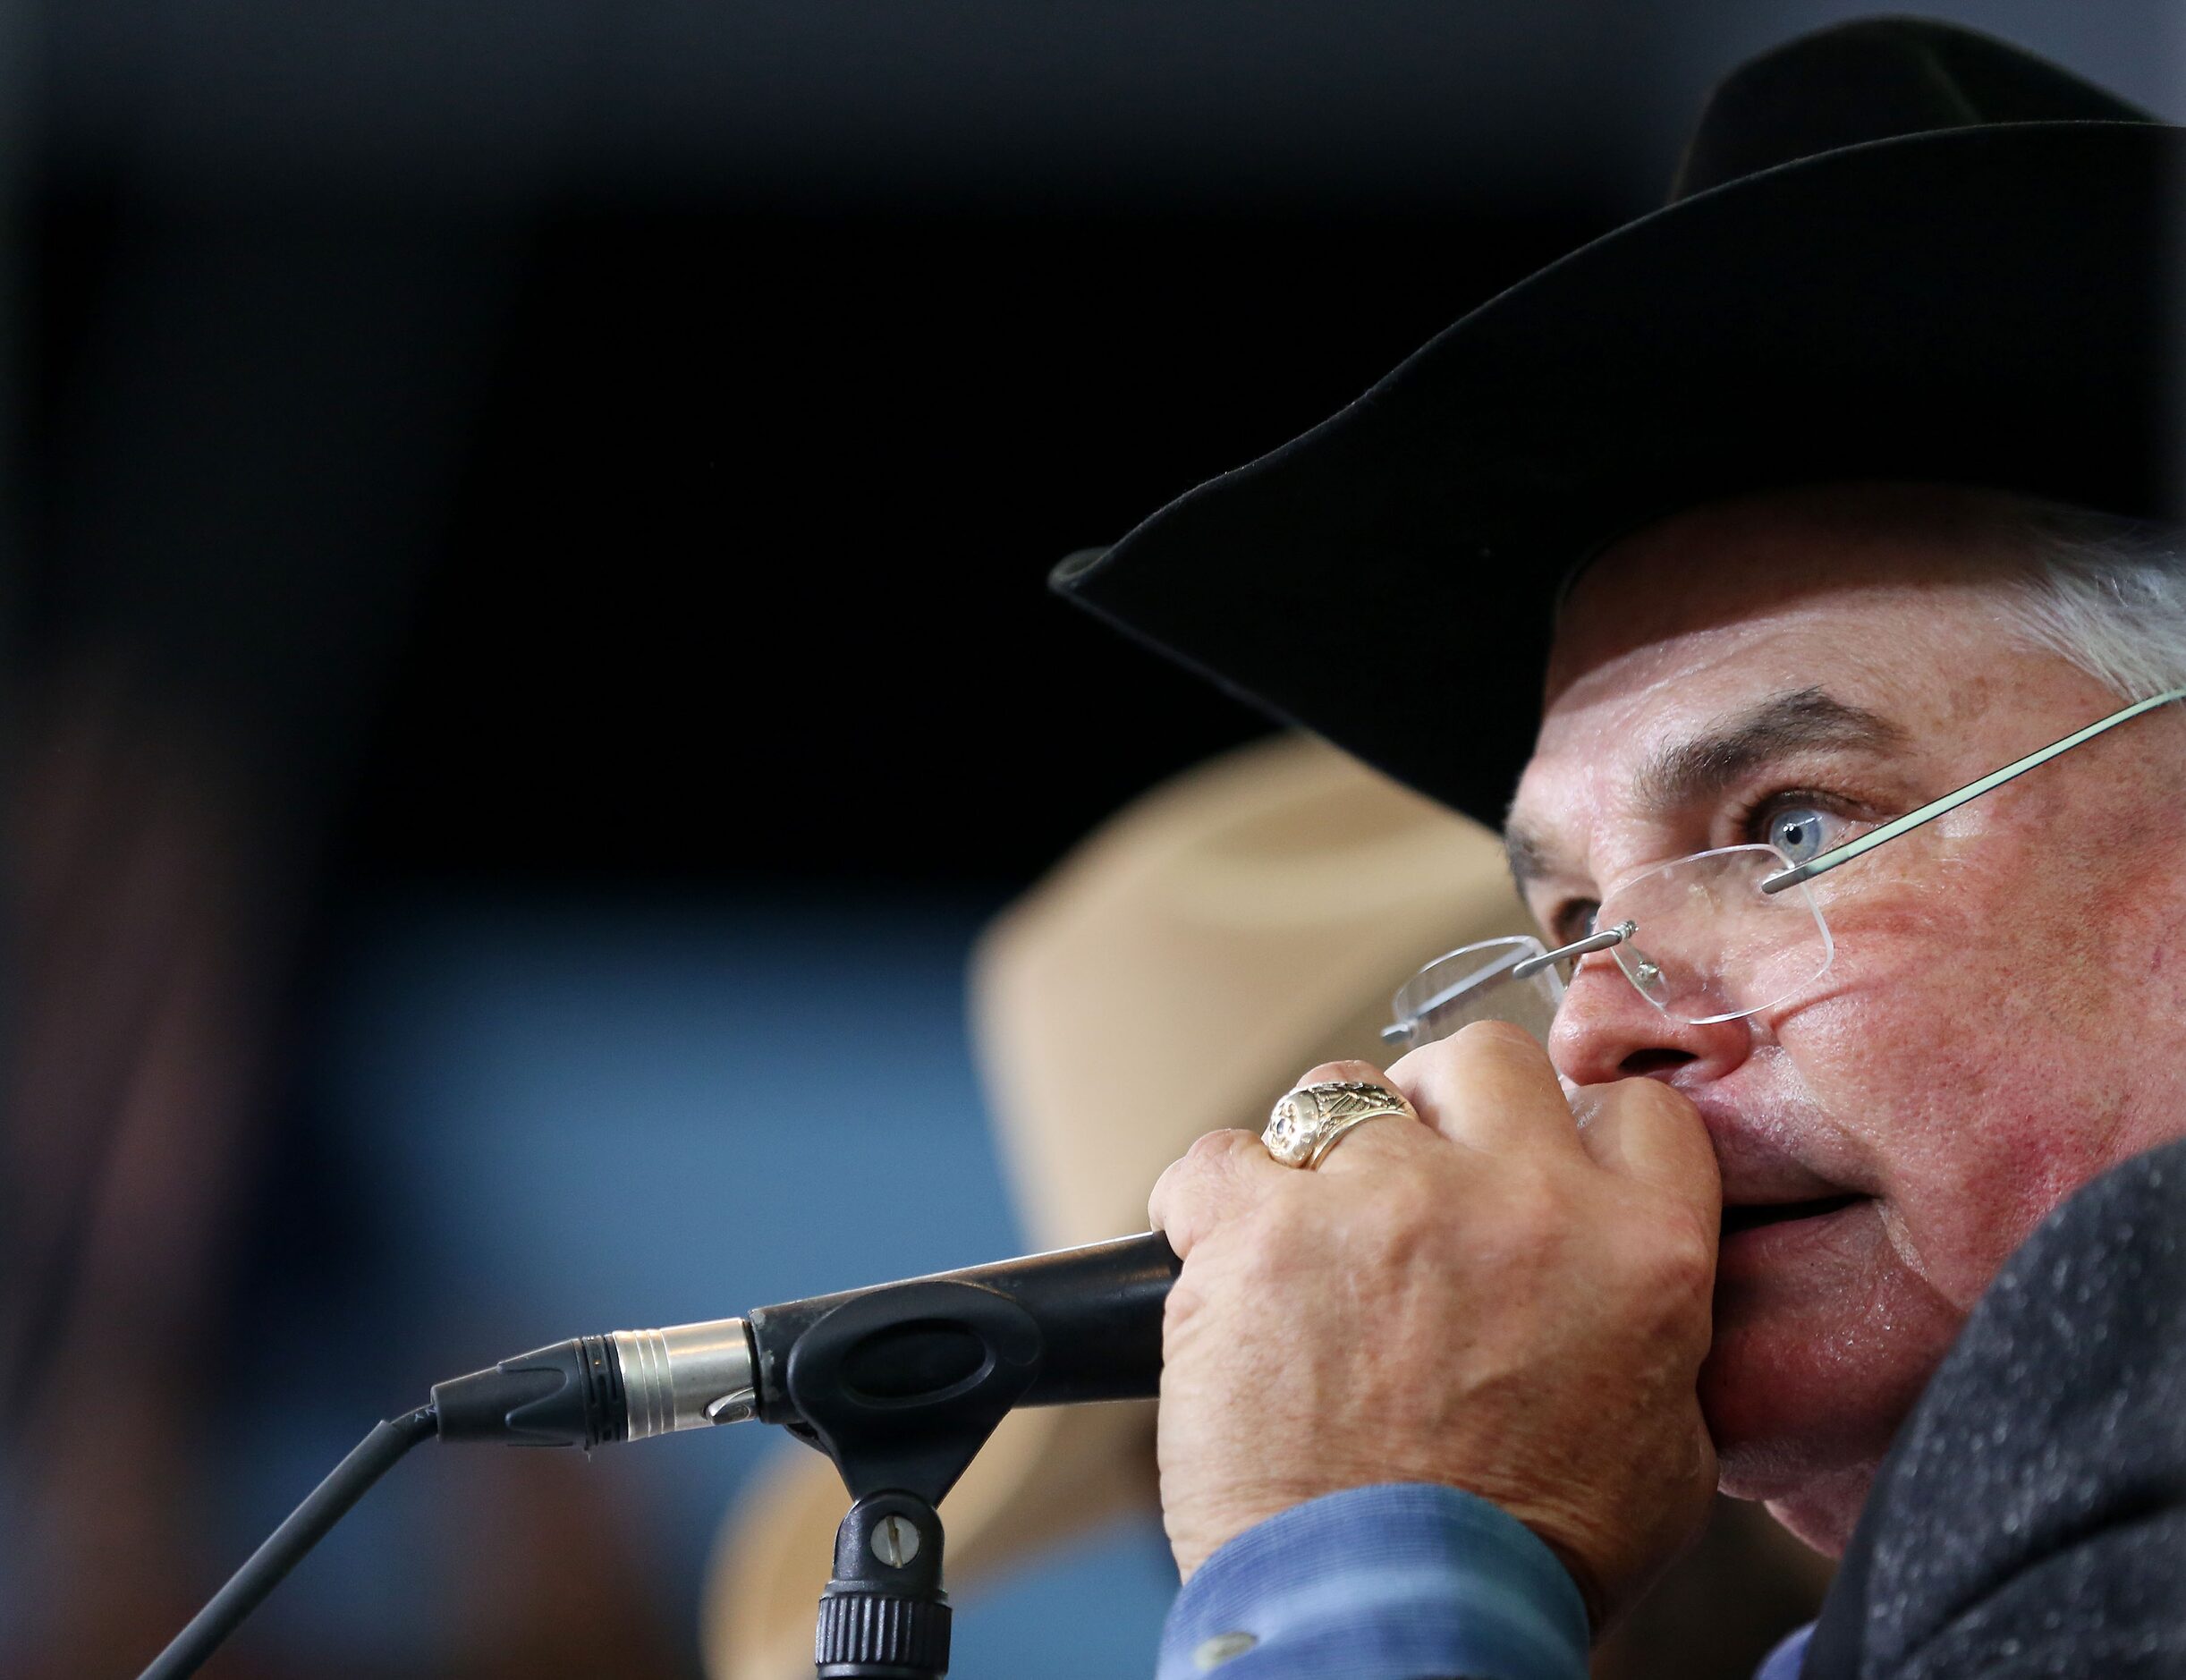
531,664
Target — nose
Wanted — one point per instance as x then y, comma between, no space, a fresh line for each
1606,1030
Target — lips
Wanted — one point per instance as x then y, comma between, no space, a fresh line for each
1794,1186
1754,1216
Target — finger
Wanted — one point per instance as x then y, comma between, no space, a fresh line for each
1377,1142
1492,1087
1342,1072
1218,1177
1644,1130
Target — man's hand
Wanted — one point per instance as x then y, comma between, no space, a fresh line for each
1497,1300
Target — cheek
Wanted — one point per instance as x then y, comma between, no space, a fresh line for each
1963,1079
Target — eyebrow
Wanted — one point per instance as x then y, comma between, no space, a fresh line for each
1700,771
1693,772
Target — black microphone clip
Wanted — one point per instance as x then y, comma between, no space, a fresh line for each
901,1385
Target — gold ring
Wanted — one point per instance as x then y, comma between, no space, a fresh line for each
1306,1124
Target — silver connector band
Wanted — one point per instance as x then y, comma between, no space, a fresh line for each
686,1377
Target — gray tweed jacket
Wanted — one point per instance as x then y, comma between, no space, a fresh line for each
2031,1519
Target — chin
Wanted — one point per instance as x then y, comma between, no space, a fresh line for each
1783,1420
1798,1399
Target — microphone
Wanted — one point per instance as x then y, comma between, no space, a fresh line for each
899,1383
1074,1325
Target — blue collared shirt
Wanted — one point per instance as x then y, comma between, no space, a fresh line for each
1396,1583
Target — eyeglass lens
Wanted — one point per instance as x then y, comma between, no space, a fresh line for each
1705,944
1471,984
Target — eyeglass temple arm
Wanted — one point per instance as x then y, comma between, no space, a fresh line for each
1912,819
1600,942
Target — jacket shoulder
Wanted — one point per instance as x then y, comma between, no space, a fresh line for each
2034,1508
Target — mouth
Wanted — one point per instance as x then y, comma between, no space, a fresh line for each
1757,1216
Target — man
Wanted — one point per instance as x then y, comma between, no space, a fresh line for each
1873,1206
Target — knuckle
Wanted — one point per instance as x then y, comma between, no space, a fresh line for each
1496,1049
1185,1302
1497,1037
1328,1072
1674,1259
1425,1063
1187,1200
1688,1256
1212,1153
1652,1096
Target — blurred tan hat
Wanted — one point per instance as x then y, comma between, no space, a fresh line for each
1212,941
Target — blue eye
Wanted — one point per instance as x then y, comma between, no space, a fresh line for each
1798,832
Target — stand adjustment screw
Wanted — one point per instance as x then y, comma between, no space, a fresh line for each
895,1540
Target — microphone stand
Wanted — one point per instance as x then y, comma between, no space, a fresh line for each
900,1386
901,1438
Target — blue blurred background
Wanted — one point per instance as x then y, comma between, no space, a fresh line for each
611,1114
530,667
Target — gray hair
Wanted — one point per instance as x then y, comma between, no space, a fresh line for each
2107,594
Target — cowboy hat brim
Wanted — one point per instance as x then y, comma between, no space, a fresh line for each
1985,305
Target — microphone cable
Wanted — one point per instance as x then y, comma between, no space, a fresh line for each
265,1569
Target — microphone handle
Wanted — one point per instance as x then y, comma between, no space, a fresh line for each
1098,1308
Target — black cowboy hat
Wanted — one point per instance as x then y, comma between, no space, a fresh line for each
1896,250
